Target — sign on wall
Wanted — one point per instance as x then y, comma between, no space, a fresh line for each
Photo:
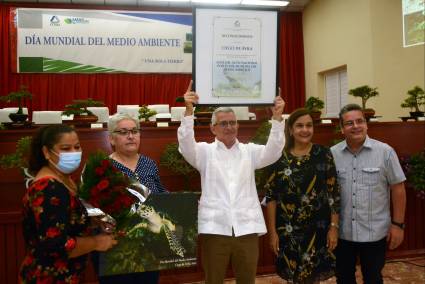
94,41
235,56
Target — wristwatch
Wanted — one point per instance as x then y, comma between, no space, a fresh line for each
400,225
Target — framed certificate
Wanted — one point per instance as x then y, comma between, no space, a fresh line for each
235,56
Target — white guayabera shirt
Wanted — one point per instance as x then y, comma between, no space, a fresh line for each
229,196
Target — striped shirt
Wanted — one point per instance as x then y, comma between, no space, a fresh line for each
365,178
146,173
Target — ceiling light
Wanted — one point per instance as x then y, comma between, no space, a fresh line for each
230,2
265,3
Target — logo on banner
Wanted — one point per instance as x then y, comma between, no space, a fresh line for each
74,21
54,21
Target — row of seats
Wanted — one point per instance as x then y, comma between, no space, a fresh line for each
163,112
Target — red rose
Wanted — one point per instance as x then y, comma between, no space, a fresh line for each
99,171
28,260
52,232
60,264
74,279
103,184
127,201
55,201
70,244
94,202
46,280
105,163
38,201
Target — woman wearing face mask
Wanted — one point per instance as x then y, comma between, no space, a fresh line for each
303,205
55,222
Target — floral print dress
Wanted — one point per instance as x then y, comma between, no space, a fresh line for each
53,218
306,193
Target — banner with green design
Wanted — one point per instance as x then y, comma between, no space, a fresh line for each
95,41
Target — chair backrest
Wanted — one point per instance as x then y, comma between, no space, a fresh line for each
4,113
102,113
47,117
164,108
177,113
242,112
131,110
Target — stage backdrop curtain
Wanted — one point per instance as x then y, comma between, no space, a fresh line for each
54,91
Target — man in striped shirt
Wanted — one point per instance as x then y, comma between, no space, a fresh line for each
370,175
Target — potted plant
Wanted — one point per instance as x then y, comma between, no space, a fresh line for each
144,114
314,106
416,98
174,161
414,167
78,108
17,97
365,93
18,159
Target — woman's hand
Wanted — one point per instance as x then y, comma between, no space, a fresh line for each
104,242
274,242
332,240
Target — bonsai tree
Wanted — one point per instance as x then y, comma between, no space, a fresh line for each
314,104
416,98
17,97
413,167
145,112
79,107
365,93
174,161
18,159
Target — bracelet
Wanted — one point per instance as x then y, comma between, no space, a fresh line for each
334,225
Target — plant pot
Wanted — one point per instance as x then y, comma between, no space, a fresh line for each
18,117
315,115
85,119
368,113
416,114
148,123
203,114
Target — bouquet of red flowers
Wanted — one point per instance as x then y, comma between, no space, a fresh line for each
105,187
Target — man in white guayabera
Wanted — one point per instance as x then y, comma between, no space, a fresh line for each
229,215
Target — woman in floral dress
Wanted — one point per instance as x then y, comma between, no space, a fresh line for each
55,222
303,205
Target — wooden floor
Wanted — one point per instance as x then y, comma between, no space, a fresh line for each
404,271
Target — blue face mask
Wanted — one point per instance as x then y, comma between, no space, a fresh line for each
68,161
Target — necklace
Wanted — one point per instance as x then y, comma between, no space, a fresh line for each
303,152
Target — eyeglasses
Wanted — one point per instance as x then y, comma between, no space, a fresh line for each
126,132
225,123
350,123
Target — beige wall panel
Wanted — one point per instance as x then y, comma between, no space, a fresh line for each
366,36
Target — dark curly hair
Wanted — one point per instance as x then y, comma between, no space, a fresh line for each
46,136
